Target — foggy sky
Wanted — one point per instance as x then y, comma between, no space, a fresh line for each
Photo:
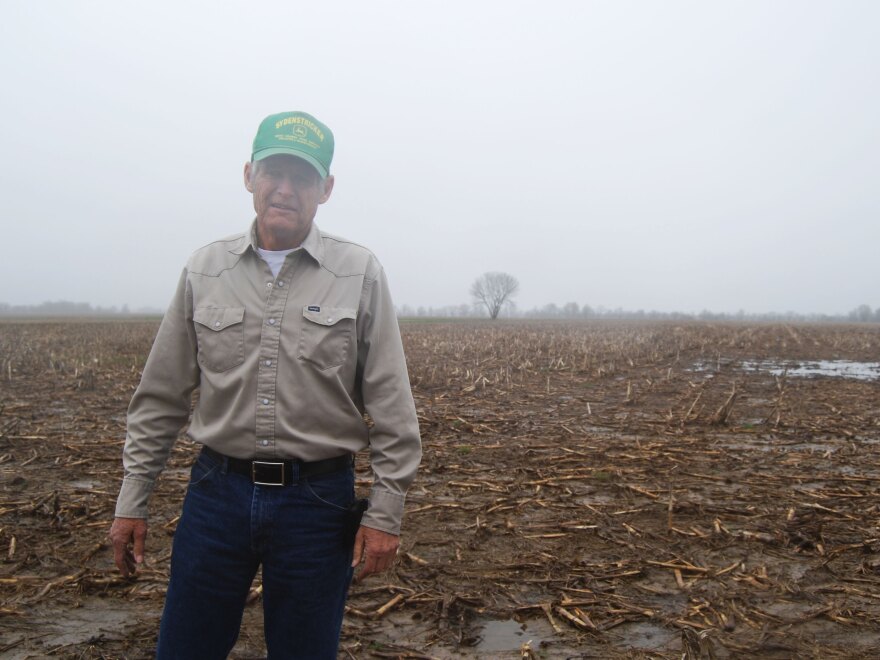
674,156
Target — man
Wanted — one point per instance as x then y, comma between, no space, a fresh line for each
290,336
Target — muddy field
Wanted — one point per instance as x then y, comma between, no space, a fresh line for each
589,490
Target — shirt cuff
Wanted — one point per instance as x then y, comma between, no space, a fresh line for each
385,512
133,497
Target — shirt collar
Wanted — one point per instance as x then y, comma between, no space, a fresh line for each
312,243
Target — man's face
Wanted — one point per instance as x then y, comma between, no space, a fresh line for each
287,192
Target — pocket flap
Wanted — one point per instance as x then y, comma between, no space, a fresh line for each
218,318
328,315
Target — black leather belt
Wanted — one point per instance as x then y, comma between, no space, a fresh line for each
280,473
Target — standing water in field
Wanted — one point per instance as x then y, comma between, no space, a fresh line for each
799,369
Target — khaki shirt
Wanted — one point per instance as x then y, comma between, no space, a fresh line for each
285,368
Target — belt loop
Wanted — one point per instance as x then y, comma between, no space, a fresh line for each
294,472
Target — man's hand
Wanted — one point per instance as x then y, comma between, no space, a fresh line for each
376,549
129,535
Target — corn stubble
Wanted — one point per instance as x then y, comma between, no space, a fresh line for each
621,489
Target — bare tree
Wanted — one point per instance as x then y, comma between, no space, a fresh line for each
494,290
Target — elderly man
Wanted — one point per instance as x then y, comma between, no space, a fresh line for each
290,336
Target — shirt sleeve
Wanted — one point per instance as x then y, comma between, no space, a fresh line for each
160,406
395,446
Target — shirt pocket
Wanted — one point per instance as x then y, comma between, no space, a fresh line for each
220,333
327,335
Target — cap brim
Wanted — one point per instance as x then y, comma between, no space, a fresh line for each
274,151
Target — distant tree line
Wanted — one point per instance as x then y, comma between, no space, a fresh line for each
863,314
66,308
572,310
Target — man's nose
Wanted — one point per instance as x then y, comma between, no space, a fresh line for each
286,185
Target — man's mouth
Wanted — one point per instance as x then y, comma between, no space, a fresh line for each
283,207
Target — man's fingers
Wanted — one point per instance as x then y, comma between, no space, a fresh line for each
375,563
367,569
130,564
358,552
125,533
140,541
119,557
124,560
377,549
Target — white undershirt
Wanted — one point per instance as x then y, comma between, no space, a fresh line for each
275,258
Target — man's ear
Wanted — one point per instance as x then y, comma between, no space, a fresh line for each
248,167
328,188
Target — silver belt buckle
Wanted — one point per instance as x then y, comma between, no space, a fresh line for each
266,473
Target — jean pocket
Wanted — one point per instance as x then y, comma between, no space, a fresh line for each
220,333
326,335
334,490
203,468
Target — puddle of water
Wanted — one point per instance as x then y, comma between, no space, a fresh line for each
746,444
93,619
800,369
797,571
831,368
814,447
812,485
646,635
507,635
598,498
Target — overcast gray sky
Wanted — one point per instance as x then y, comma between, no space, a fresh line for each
655,155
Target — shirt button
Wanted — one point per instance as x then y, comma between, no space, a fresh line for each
280,284
216,324
330,320
269,284
265,443
265,402
271,321
268,363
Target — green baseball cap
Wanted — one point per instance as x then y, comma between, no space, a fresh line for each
296,134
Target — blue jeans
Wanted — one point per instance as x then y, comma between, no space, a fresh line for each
227,529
